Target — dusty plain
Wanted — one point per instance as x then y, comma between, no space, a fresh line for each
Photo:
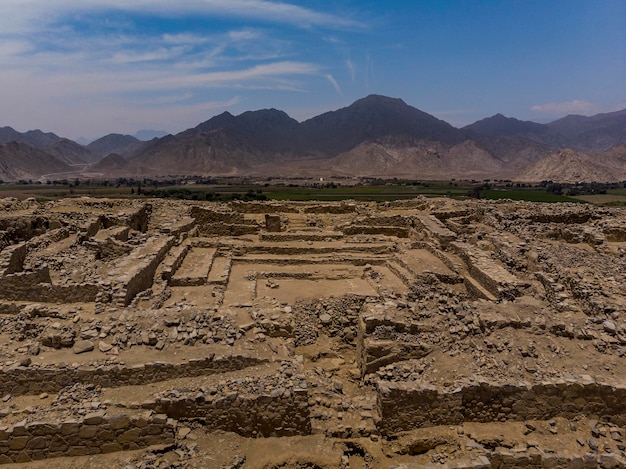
418,333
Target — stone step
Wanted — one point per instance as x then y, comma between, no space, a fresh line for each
195,268
220,271
407,277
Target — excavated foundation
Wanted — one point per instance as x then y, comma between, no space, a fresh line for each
423,333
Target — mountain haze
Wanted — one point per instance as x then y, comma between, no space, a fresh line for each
34,138
114,143
376,136
21,161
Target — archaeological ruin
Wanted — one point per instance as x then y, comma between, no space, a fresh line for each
428,332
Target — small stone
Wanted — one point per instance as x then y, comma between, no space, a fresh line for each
83,346
25,361
325,318
609,326
43,395
104,347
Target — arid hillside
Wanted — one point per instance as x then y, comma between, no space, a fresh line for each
375,136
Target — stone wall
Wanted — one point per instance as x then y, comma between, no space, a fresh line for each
179,227
138,220
408,405
228,229
95,433
435,229
12,259
136,272
23,228
387,336
18,380
204,216
337,208
173,263
36,286
264,207
398,231
300,236
491,275
281,412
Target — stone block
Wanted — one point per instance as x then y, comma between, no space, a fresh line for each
111,447
130,436
118,422
22,457
19,442
69,428
87,431
94,418
38,442
77,451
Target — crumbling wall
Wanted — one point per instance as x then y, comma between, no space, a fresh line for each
435,229
491,275
330,208
283,412
139,219
95,433
398,231
384,338
12,258
136,272
275,223
263,207
408,405
37,286
223,223
19,380
23,228
300,236
173,263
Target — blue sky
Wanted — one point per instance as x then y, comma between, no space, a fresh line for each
91,67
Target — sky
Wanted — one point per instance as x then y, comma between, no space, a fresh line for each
86,68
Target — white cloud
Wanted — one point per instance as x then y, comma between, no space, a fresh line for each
148,56
244,35
69,65
333,82
577,106
22,15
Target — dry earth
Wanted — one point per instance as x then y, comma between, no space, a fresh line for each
422,333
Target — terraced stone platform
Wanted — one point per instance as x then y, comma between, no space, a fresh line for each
422,333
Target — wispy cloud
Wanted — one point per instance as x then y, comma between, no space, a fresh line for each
63,57
350,66
333,82
20,15
569,107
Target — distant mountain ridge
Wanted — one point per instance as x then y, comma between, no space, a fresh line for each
21,161
114,143
374,136
582,133
34,138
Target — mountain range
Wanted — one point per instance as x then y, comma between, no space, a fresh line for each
376,136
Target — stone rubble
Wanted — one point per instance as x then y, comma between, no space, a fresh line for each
420,333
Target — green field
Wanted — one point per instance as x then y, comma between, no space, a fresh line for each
329,192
